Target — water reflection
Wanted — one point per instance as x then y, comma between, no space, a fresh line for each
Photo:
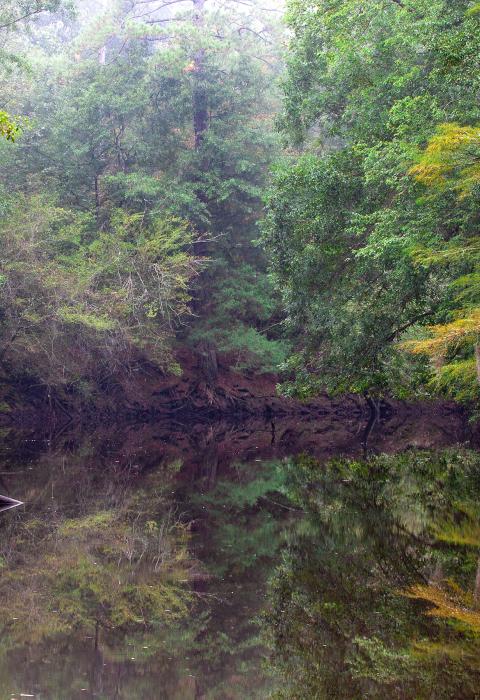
94,587
378,591
140,566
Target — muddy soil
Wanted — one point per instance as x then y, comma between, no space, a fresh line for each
146,395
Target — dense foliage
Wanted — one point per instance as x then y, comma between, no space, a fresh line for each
372,187
140,150
130,200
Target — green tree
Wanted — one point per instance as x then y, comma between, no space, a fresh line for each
76,304
15,18
366,85
114,138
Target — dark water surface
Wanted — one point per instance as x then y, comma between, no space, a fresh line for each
222,561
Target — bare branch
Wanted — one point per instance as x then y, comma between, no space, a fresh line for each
252,31
160,6
16,20
263,9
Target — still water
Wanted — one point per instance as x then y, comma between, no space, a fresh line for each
219,561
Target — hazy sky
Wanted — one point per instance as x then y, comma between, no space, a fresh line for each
89,7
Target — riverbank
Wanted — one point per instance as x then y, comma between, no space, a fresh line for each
144,392
237,405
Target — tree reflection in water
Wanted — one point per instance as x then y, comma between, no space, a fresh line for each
136,572
95,587
378,589
125,578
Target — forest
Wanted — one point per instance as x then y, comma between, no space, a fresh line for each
137,143
239,349
291,191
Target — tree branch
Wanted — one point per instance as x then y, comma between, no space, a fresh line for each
252,31
37,11
264,9
408,325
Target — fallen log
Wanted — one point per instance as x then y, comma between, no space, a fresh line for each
7,503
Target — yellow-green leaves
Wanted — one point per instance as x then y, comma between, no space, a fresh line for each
464,329
451,163
126,288
83,318
452,157
451,603
9,129
475,10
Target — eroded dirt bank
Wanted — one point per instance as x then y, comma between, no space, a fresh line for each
145,394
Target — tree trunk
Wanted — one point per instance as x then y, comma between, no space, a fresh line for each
200,98
476,592
477,358
208,361
437,575
97,199
97,634
200,103
374,407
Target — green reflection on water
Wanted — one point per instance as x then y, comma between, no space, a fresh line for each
377,593
284,578
120,584
94,594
